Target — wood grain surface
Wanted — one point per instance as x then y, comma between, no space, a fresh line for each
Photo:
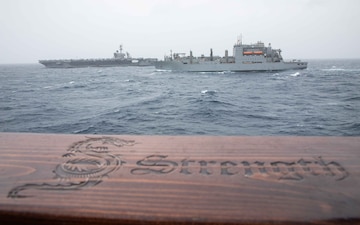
107,179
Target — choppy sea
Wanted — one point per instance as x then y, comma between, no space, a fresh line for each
322,100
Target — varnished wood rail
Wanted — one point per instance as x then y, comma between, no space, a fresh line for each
109,179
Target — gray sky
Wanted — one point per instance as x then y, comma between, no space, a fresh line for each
56,29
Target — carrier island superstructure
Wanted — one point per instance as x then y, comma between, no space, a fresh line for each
246,57
119,59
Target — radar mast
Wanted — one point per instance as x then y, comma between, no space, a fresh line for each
239,39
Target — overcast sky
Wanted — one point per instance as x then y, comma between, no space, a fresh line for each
57,29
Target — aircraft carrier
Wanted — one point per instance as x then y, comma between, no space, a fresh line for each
119,59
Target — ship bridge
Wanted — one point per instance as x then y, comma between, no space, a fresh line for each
256,53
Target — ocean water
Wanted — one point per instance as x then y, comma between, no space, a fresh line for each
323,100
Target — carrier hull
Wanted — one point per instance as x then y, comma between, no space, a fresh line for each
73,63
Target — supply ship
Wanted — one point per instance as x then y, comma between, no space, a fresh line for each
246,57
119,59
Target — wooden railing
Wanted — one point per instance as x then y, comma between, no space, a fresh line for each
109,179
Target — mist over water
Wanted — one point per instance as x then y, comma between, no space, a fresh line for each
323,100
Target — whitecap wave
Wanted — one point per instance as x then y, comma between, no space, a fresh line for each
209,92
334,69
160,70
295,74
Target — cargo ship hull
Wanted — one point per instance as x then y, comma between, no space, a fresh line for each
235,67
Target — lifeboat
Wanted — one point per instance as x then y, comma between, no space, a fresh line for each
253,53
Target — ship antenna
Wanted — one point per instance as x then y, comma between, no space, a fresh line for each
239,41
121,48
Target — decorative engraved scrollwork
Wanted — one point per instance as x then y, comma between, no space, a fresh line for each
87,162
